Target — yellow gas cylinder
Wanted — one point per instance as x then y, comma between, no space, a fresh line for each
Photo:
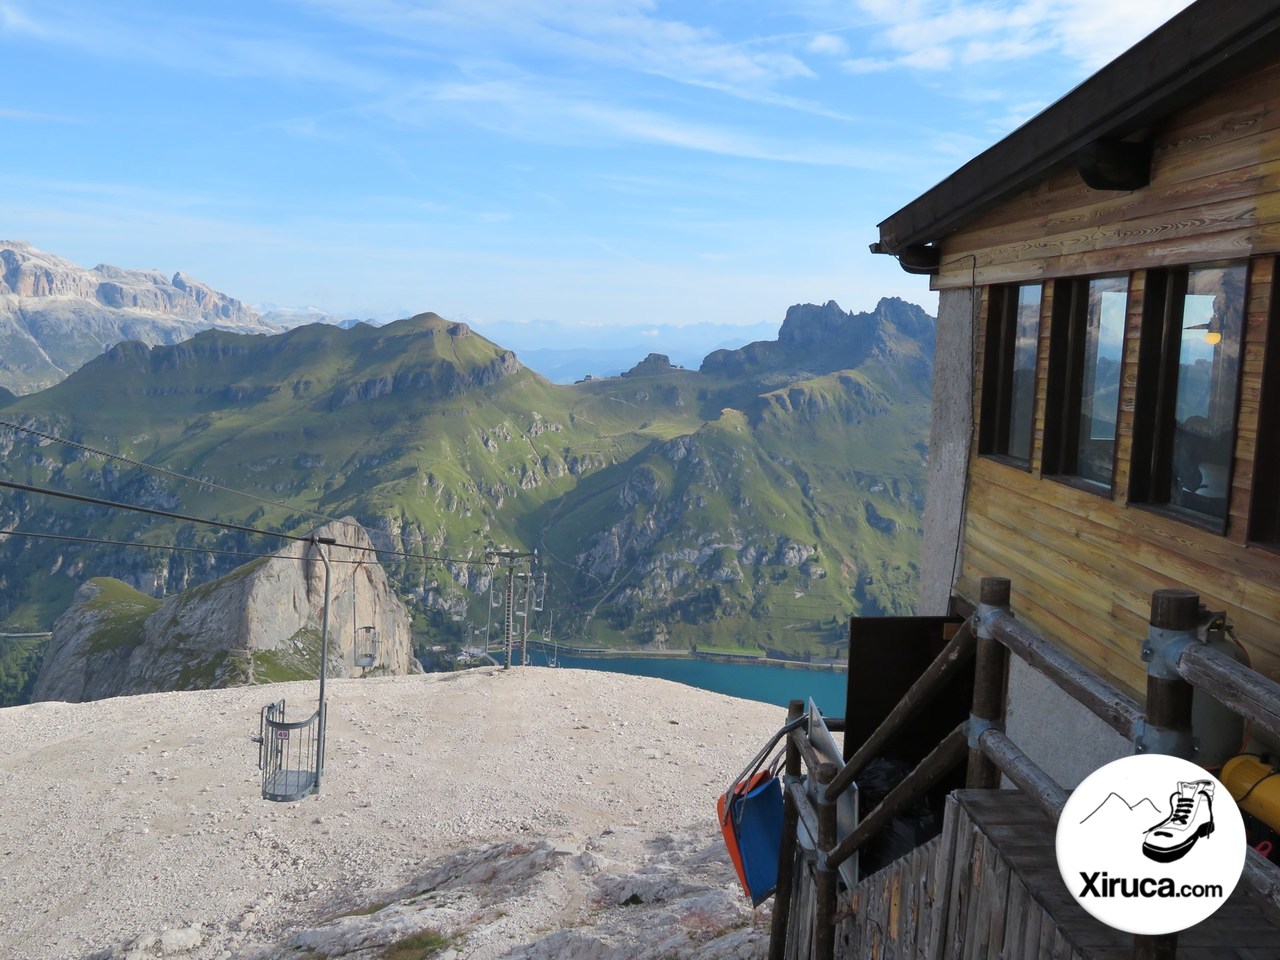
1255,786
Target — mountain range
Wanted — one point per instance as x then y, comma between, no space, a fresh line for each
750,505
55,316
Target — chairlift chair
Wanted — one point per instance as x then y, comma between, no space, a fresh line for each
291,753
366,652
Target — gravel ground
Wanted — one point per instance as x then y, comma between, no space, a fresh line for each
138,820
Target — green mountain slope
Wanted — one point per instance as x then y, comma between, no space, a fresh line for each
753,504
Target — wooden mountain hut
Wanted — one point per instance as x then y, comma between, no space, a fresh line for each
1103,512
1107,401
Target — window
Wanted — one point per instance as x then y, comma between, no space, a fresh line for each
1188,390
1009,373
1086,347
1264,515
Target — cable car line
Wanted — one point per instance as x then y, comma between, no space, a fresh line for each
98,541
173,474
226,525
135,543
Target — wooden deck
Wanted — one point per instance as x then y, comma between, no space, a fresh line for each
989,888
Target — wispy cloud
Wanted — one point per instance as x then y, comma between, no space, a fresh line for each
938,35
14,20
177,39
528,108
827,45
625,35
1094,32
33,116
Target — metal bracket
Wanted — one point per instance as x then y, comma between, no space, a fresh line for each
1175,743
985,616
978,726
1162,649
1213,626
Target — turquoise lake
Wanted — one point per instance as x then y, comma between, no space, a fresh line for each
750,681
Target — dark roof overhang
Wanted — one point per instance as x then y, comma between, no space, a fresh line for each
1099,126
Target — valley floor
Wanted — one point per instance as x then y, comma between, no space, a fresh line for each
524,813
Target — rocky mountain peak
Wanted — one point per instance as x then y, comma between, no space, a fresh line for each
652,365
55,315
807,324
824,337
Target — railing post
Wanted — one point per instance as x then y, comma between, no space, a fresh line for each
988,683
1167,725
824,914
1155,946
787,849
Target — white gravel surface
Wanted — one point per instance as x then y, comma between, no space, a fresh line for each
138,820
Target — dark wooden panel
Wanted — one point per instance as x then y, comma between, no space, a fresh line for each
886,656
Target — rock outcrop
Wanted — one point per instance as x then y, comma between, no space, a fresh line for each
260,623
824,338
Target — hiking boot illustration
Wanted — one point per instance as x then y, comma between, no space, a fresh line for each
1190,818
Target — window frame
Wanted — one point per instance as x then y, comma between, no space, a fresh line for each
1064,384
996,409
1156,395
1266,457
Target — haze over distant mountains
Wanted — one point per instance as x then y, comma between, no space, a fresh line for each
565,354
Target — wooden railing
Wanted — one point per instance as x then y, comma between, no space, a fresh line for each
819,812
989,635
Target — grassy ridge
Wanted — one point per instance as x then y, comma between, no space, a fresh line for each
751,505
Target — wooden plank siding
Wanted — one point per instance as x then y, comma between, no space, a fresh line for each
1214,194
1083,564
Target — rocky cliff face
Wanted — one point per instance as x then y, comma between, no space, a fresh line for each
259,624
55,315
824,338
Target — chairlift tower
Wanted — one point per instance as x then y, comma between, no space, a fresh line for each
532,588
519,569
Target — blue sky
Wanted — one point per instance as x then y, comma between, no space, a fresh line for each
582,161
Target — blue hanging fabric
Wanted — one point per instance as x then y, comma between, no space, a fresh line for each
750,814
757,819
751,821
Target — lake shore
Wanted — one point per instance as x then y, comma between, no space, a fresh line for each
605,653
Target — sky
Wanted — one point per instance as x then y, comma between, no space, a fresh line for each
587,162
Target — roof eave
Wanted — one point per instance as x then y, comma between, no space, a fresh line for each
1209,43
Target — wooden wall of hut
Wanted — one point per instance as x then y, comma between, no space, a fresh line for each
1083,563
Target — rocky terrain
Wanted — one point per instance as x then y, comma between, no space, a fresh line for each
56,315
530,813
259,623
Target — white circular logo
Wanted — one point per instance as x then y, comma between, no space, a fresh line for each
1151,844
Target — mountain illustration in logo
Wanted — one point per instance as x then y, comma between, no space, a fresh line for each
1189,817
1116,811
